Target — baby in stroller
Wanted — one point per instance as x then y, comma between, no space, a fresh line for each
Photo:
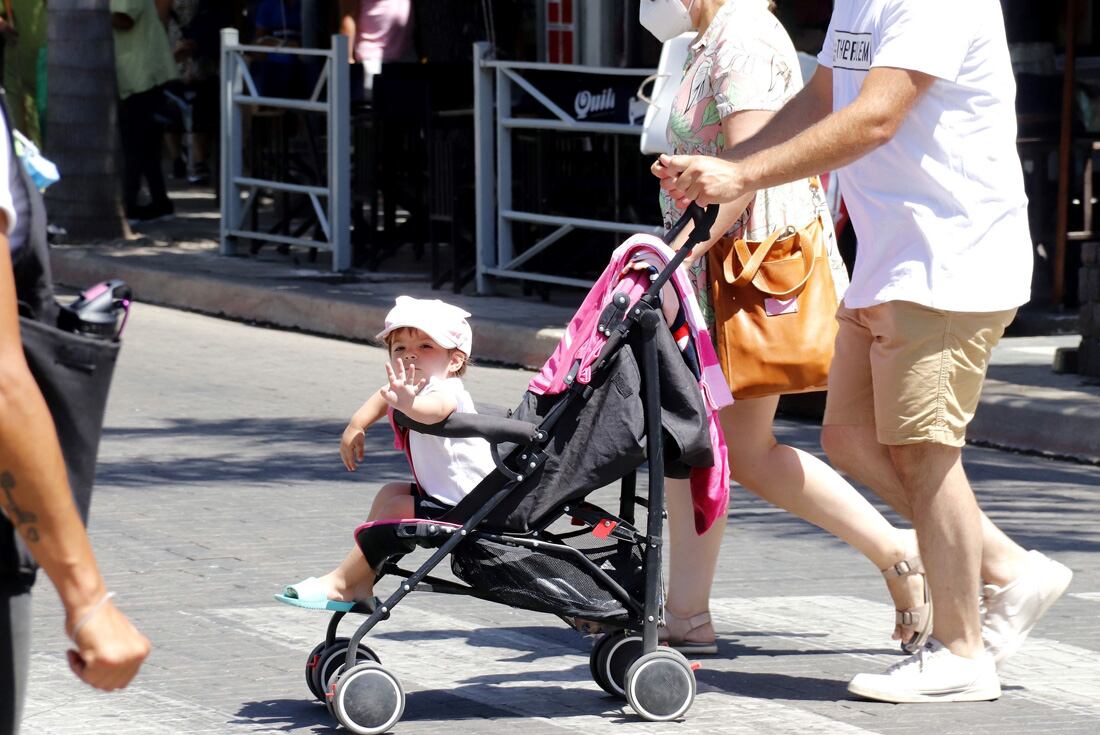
429,344
621,392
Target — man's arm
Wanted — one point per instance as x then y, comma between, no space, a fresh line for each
35,496
810,105
871,120
736,128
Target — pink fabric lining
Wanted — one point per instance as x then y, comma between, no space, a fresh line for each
709,485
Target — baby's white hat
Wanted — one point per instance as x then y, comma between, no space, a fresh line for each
444,323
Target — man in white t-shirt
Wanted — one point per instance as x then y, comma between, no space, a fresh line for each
915,99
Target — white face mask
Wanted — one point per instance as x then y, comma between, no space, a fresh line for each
665,19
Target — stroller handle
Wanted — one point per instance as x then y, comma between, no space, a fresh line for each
470,425
703,220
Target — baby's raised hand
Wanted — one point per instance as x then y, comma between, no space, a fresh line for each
403,386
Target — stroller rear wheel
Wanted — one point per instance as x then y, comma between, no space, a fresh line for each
368,699
611,657
595,665
312,661
328,660
660,686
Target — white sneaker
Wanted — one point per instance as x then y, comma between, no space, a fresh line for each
1010,612
932,674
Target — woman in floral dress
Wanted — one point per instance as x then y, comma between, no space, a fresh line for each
741,68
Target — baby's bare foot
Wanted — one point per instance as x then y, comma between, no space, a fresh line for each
336,589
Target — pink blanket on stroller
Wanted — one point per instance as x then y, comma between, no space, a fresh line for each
582,341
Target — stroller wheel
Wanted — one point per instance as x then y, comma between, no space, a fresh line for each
613,658
312,662
332,657
660,686
595,665
368,699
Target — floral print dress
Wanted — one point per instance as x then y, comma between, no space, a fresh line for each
744,60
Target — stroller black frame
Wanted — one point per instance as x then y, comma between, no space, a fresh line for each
651,702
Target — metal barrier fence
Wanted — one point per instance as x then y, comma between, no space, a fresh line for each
493,97
240,193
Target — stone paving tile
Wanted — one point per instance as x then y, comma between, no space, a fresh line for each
251,498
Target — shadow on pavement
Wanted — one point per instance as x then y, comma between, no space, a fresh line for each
286,714
774,686
248,450
500,637
732,649
464,702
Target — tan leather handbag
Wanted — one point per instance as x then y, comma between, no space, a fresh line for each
774,311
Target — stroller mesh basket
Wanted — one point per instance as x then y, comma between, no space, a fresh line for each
552,578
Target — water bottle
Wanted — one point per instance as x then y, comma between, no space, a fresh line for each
100,311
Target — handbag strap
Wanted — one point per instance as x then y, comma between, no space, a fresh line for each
750,263
809,260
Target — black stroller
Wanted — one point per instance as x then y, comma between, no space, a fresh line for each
641,405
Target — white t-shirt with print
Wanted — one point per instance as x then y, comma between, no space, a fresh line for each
448,469
940,209
13,196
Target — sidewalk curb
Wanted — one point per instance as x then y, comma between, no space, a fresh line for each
287,306
1056,422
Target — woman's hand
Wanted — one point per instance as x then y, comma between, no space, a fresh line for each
353,446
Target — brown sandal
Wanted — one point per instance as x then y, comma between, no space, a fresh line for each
679,642
918,617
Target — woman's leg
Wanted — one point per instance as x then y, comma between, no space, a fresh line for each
810,489
692,560
354,579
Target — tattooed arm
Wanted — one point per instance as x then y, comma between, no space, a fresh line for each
35,496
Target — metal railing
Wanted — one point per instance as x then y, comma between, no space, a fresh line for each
495,215
331,203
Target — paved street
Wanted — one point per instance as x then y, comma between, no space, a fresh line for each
219,482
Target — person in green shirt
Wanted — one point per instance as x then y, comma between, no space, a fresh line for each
143,63
24,29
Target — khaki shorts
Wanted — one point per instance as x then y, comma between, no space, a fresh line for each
912,372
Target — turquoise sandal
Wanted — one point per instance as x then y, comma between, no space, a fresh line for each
311,595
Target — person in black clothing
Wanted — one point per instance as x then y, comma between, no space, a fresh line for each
35,498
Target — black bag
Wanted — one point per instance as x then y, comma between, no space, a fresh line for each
72,371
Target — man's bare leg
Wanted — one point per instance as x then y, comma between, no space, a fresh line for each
855,450
948,525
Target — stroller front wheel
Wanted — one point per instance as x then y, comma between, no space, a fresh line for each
367,699
660,686
329,659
